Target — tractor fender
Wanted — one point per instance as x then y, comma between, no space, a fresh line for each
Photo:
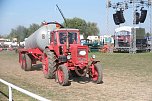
93,62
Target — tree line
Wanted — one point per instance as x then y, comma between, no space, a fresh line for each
22,32
86,28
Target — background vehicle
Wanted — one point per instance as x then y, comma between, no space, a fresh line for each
93,46
128,39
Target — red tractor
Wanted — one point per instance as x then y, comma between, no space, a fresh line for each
61,54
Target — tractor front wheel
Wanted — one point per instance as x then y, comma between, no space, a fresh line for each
97,75
63,75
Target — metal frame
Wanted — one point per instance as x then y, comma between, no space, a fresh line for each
10,86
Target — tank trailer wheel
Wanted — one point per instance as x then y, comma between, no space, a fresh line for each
23,61
96,72
62,75
26,63
49,64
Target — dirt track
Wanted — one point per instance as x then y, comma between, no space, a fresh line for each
117,86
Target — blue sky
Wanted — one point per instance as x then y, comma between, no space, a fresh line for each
26,12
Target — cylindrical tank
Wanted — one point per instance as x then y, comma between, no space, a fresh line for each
40,38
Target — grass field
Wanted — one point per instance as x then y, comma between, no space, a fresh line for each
127,77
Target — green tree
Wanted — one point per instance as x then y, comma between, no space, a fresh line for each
33,27
85,28
22,32
92,29
76,23
19,33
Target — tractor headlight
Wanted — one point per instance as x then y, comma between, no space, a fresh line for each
83,52
68,56
93,56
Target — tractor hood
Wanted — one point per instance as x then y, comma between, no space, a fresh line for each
79,54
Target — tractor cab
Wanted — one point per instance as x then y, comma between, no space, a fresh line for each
66,45
68,36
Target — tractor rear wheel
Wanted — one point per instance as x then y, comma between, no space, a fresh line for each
97,75
49,64
63,75
26,63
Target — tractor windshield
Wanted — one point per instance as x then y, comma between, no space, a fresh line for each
72,37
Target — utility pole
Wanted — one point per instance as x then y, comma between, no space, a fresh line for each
150,16
134,29
107,16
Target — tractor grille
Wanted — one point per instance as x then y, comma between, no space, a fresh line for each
82,57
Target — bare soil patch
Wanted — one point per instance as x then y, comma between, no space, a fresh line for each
126,78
